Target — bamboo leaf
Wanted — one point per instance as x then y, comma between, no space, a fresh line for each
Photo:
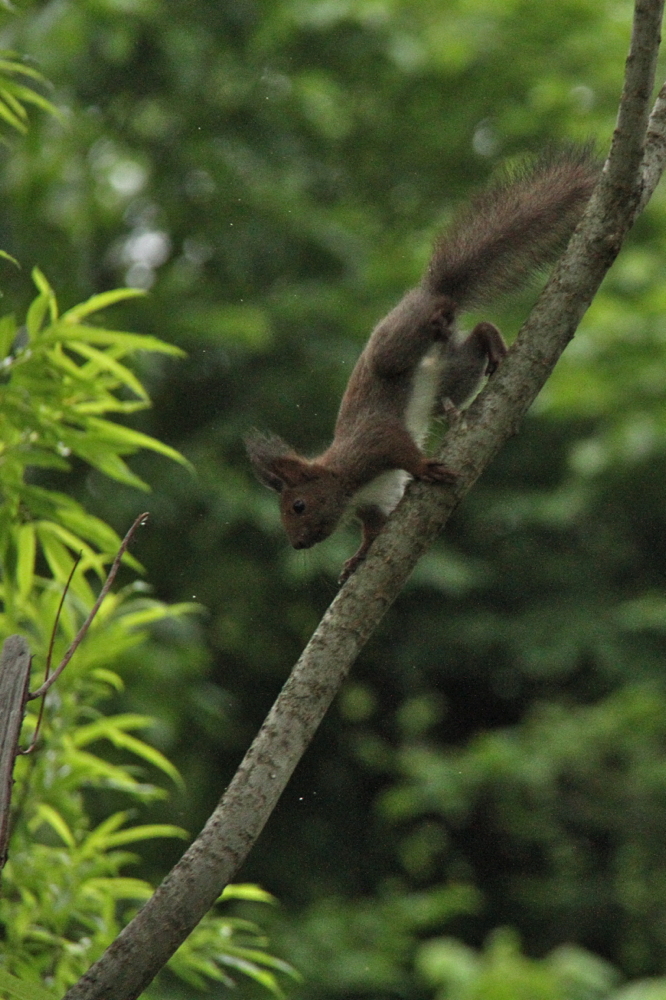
8,330
247,891
113,729
8,256
113,466
145,832
22,990
47,814
26,545
122,436
12,119
117,338
99,729
44,287
106,362
101,301
36,313
119,887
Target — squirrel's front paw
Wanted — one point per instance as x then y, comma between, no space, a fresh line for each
434,472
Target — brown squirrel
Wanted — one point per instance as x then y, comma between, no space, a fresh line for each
417,365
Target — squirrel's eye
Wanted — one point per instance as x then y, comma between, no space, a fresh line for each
298,506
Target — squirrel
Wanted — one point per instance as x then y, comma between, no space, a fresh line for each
417,365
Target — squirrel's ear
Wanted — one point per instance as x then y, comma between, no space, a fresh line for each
291,470
275,464
268,477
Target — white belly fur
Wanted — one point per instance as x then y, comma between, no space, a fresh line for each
385,491
424,392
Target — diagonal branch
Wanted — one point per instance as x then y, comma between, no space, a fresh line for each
213,859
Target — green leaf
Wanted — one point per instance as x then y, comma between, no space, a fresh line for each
17,90
8,256
15,66
112,729
113,338
149,754
91,558
101,774
97,302
22,990
8,331
157,612
127,437
100,728
47,814
252,971
105,362
119,887
37,310
42,459
45,289
113,466
8,95
57,556
16,121
26,545
148,831
109,677
248,891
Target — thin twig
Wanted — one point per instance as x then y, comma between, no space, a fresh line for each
47,669
141,519
655,150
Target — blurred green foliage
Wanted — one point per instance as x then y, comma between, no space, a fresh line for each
274,175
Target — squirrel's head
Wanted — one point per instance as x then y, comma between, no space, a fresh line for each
312,498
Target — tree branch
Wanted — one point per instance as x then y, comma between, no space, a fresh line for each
213,859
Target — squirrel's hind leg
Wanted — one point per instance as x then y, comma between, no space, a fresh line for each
372,520
468,361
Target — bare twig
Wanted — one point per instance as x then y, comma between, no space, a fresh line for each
49,654
655,150
141,519
147,943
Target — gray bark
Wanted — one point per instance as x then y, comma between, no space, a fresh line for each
14,677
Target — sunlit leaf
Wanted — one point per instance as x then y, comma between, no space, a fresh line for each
127,342
25,564
248,891
119,887
128,437
146,832
47,814
24,990
104,361
8,332
97,302
113,729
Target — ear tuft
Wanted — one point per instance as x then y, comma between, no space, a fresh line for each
275,464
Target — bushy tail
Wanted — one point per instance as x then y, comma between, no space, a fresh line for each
513,228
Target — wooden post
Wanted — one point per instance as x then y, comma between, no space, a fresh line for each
14,677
